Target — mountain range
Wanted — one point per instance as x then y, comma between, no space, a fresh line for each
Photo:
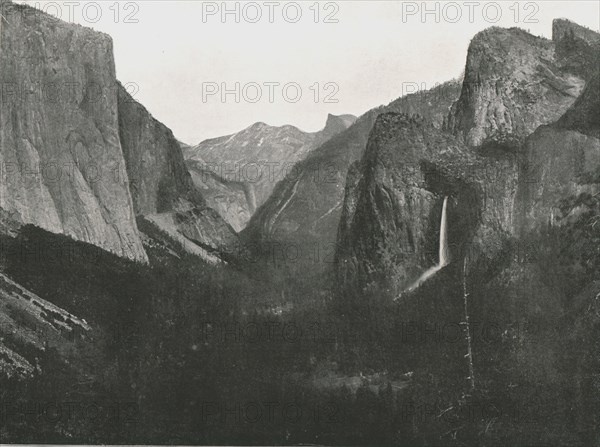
390,243
237,173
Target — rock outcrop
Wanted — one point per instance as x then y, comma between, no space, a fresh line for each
234,201
61,156
391,215
158,177
559,161
390,226
305,208
79,156
577,48
508,181
162,188
514,82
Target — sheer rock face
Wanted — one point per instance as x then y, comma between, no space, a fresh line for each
161,186
79,156
583,115
561,160
536,157
305,208
389,231
514,82
157,173
559,163
390,227
252,160
62,162
386,216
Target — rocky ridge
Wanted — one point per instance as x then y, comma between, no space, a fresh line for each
252,161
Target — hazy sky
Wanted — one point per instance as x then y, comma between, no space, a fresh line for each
376,51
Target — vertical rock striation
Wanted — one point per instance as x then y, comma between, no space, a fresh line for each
60,152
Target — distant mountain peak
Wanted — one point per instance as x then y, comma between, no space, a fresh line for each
338,122
259,125
260,150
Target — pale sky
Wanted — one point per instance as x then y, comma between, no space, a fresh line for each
376,51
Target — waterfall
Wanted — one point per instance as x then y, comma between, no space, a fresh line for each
443,250
443,259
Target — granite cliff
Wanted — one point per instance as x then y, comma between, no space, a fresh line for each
508,153
162,188
62,159
80,156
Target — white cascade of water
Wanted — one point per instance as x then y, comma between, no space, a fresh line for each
444,258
